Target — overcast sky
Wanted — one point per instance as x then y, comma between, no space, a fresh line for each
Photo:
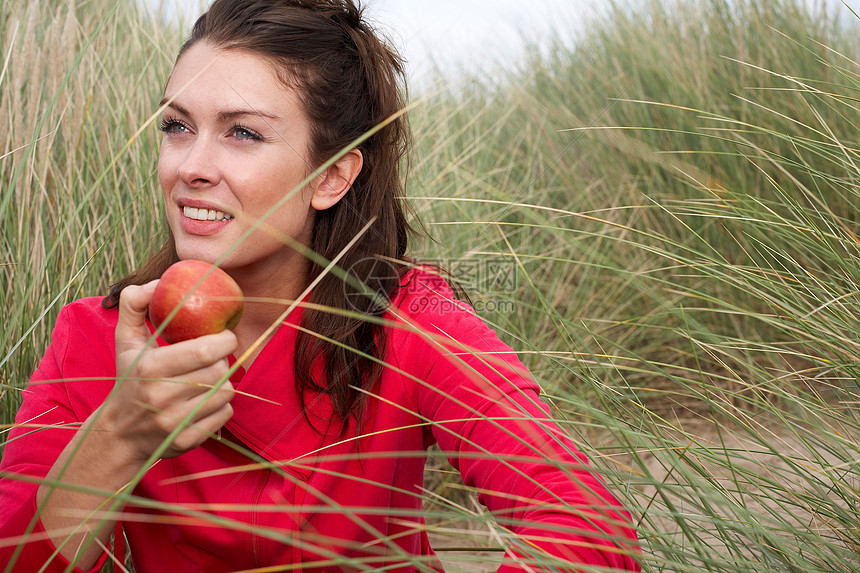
455,34
472,33
469,34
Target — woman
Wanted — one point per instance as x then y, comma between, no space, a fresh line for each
283,134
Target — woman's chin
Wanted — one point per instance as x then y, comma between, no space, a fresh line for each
205,255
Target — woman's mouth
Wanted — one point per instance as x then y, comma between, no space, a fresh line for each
203,222
205,214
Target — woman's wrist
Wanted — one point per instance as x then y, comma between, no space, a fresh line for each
94,465
101,437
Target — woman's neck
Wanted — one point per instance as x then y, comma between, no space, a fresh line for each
268,297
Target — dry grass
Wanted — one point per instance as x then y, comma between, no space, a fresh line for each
686,271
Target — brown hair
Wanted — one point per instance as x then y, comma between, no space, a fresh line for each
350,82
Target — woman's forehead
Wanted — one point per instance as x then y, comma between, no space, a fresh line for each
207,75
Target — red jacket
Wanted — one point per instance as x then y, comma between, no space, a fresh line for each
449,381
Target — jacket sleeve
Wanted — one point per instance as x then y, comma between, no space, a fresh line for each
43,427
489,420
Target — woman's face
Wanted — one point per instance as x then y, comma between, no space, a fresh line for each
236,142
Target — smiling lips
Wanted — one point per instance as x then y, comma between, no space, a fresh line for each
205,214
203,222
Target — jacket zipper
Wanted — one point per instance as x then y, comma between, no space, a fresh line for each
256,550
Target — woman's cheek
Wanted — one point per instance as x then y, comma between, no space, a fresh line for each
164,171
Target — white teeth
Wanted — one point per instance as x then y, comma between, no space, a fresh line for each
205,214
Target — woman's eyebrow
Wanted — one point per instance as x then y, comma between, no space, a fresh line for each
168,103
233,114
225,115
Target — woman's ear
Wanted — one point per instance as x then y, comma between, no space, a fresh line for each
333,183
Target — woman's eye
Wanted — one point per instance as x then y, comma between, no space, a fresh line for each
244,133
172,126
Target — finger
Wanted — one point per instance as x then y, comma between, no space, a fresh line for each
196,356
205,405
172,409
161,394
203,429
131,330
171,393
216,420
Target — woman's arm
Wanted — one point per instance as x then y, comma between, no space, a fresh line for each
157,388
488,418
538,485
93,459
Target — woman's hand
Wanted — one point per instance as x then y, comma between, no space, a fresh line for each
158,387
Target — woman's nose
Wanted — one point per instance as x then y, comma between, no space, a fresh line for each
199,168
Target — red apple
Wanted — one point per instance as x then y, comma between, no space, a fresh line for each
214,302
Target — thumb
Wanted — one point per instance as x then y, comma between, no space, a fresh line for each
131,330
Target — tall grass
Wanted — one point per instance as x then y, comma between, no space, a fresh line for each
663,221
79,203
